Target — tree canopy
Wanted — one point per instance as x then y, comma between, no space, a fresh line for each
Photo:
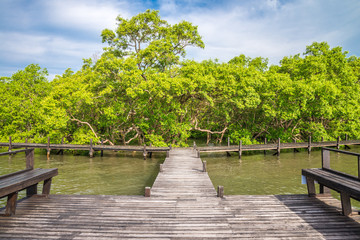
143,90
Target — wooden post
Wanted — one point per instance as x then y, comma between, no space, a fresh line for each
144,152
29,154
198,154
62,150
346,137
311,187
228,141
338,142
10,145
278,147
32,190
309,145
358,166
102,151
46,187
345,203
322,139
11,204
161,168
26,141
194,145
265,142
150,153
91,150
48,148
167,154
220,191
147,191
325,158
325,163
295,143
240,149
204,166
170,147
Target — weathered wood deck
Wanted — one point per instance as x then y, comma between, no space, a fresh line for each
183,205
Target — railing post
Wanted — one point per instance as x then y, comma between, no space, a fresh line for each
198,154
265,142
144,152
102,151
358,166
91,150
150,153
10,145
338,142
48,148
204,166
309,145
228,141
26,141
278,147
194,145
240,149
62,150
325,158
147,191
346,137
220,191
29,154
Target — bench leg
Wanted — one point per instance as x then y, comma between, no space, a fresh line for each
47,186
345,204
311,187
32,190
11,204
324,190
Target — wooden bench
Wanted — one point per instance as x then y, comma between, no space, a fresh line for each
347,185
28,179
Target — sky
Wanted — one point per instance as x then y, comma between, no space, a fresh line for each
59,34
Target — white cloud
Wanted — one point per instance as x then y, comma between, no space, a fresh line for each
85,15
269,29
53,52
57,34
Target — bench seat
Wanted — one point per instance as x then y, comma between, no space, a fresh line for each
27,179
347,185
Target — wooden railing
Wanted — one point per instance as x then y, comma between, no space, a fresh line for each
325,157
29,155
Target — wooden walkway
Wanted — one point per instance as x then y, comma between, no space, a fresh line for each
277,146
183,205
182,177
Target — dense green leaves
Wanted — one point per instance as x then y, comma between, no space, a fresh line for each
142,91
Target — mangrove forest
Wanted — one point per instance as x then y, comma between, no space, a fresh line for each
142,89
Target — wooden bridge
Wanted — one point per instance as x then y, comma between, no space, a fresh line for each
277,147
146,150
183,204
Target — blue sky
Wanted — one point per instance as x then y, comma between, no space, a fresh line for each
58,34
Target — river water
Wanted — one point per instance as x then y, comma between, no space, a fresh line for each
128,174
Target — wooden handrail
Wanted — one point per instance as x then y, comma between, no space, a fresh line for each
29,154
325,157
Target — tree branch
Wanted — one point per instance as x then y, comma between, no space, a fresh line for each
86,123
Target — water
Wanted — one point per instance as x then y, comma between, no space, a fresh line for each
128,174
113,174
259,174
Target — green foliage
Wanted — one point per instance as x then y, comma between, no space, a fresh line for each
141,91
